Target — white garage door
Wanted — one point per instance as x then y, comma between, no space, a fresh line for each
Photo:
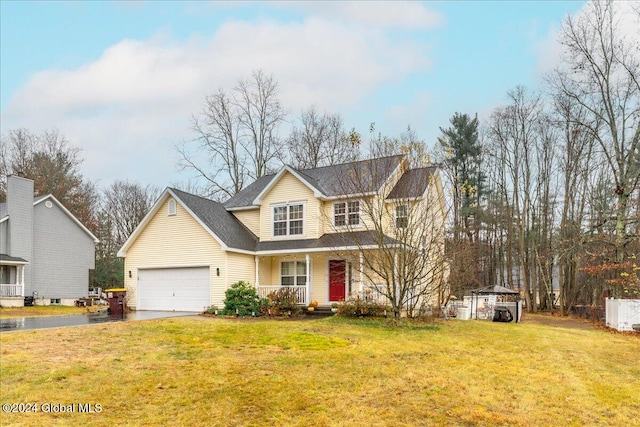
179,289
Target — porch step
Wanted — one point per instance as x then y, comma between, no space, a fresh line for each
320,311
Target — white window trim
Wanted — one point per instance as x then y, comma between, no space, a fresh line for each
295,276
346,226
287,204
172,207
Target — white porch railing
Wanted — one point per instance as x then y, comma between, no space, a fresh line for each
11,290
300,292
370,293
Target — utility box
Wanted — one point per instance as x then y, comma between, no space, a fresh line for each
116,297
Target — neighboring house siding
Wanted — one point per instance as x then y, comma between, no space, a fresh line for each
3,237
63,253
250,219
174,241
290,189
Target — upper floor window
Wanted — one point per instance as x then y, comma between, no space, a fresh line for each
172,207
288,220
402,216
346,213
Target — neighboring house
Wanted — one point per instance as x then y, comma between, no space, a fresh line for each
45,251
303,229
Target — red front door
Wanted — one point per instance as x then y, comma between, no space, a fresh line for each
337,282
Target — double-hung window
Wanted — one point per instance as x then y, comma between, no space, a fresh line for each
288,220
346,213
293,273
402,216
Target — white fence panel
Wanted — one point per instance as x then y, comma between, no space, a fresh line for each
622,314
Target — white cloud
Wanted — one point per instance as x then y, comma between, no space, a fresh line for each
410,15
129,107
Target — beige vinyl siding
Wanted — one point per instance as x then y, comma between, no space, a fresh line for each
250,219
266,271
320,279
290,189
174,241
240,267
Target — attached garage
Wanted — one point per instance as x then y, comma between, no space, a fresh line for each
174,289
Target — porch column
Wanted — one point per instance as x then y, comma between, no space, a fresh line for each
257,261
361,271
308,284
22,281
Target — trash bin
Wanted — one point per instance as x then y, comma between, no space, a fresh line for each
115,297
502,314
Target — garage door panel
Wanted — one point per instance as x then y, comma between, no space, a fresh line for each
179,289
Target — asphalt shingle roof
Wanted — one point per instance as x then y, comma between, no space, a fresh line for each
328,241
338,180
413,183
223,224
333,181
7,258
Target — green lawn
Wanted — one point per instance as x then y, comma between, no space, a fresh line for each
203,371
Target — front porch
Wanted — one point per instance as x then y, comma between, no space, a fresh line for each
12,281
323,277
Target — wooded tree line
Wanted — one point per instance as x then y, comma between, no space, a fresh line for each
546,193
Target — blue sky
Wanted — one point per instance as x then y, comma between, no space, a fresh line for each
122,79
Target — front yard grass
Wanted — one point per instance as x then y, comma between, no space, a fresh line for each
202,371
45,310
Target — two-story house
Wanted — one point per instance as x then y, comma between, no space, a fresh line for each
45,251
313,230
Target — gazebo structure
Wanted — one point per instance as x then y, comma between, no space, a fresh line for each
492,298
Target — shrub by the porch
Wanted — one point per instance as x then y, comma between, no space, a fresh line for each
358,306
242,299
283,303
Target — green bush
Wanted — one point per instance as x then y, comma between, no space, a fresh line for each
283,303
212,310
242,299
362,307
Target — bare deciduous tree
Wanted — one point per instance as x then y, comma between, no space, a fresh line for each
237,135
125,205
602,76
400,233
320,140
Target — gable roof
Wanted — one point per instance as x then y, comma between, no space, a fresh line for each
228,231
412,184
311,184
346,179
51,197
